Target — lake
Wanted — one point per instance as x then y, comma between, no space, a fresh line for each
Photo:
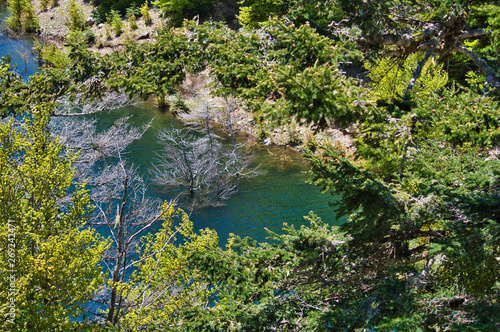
278,195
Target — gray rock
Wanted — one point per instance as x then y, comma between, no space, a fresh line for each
143,35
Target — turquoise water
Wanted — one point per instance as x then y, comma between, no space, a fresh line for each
279,195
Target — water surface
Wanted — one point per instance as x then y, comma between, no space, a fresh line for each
278,195
17,48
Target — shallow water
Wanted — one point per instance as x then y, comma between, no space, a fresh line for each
14,48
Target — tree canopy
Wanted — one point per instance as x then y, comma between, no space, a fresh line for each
413,83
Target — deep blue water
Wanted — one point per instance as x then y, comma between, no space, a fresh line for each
14,47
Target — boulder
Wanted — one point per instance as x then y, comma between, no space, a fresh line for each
89,22
143,35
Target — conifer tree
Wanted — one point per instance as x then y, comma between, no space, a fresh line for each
22,17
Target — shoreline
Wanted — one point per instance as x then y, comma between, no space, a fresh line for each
194,91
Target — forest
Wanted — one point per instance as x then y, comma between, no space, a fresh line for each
413,85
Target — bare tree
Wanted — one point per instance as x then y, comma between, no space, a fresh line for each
183,160
220,183
78,104
123,208
81,136
25,56
201,163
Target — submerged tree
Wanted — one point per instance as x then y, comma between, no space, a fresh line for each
201,164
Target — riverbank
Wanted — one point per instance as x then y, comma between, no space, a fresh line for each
195,92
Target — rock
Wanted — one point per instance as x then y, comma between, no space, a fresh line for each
89,22
143,35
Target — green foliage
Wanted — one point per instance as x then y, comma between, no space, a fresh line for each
107,31
391,133
253,12
179,104
261,287
22,17
54,56
316,94
132,10
391,77
106,6
487,16
54,262
163,282
44,4
115,20
177,10
468,118
11,86
284,72
145,14
132,13
132,22
234,57
76,19
318,14
155,69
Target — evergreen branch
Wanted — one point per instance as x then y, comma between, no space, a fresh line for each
420,66
481,64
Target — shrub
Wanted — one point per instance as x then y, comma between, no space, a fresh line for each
107,31
132,11
44,4
177,10
76,19
22,16
132,22
121,6
116,22
54,57
145,14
